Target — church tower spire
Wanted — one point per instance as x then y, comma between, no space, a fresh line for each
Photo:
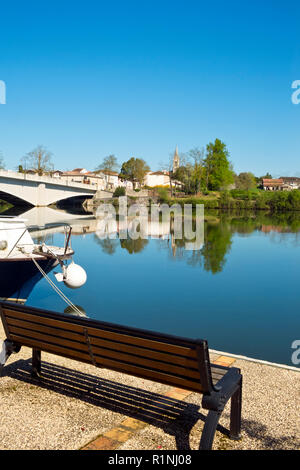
176,160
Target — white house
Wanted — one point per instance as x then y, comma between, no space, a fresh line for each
125,183
111,178
291,182
157,178
56,174
81,175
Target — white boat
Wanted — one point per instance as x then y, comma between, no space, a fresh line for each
23,262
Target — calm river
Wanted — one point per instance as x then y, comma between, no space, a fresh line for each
240,291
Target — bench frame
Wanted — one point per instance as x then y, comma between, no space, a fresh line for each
215,396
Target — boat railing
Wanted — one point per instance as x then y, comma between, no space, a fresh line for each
67,230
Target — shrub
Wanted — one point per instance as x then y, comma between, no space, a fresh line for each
119,191
163,195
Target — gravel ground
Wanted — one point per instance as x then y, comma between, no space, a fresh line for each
76,403
270,416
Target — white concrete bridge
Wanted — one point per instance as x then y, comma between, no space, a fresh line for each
39,191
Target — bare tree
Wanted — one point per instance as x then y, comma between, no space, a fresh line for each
39,160
2,164
197,156
109,163
168,166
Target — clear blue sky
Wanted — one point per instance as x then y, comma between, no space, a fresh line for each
136,78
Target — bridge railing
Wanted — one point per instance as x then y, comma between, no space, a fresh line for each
62,181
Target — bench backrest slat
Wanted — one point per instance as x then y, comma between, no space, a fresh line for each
149,355
139,341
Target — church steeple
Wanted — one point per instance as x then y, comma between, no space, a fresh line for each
176,160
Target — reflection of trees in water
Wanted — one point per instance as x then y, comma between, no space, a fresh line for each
134,246
276,226
108,245
280,222
218,232
217,243
212,255
79,312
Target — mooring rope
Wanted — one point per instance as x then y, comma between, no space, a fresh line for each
57,290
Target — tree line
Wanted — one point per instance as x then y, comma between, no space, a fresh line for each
210,169
200,170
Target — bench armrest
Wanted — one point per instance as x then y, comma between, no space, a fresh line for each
223,391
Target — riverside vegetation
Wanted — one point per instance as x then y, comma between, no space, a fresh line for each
236,200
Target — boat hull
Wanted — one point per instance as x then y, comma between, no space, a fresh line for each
18,277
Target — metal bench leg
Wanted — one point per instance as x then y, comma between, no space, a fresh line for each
36,364
229,388
235,413
209,430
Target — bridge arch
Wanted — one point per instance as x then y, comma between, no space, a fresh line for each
39,191
14,200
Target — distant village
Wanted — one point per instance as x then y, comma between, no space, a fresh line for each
109,180
284,183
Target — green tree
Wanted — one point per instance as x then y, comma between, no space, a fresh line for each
119,191
218,169
267,176
109,163
245,180
135,170
184,174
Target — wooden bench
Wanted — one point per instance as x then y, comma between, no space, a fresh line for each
163,358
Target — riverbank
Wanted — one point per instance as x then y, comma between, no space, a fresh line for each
255,200
81,407
277,202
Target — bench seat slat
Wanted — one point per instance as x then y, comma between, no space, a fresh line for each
103,352
111,364
107,334
145,352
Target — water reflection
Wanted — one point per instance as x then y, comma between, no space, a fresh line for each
219,230
108,245
133,246
212,255
239,290
78,310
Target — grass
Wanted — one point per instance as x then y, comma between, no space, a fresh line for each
277,201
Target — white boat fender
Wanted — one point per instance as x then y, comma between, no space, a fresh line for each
74,276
